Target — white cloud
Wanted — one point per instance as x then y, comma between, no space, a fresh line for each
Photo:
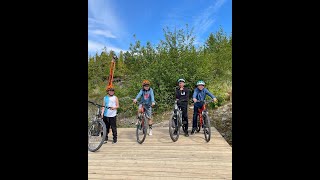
107,34
102,12
200,23
104,25
205,20
94,46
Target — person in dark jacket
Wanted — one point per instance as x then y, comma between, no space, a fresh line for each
182,94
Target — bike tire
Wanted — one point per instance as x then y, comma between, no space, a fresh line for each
198,124
173,127
93,129
207,127
144,130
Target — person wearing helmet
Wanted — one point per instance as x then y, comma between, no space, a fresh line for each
199,94
110,115
182,94
147,96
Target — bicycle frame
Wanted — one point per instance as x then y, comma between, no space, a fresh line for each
175,123
141,125
97,117
142,113
178,113
200,111
98,114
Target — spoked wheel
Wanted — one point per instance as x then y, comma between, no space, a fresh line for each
174,129
141,131
96,135
198,124
206,127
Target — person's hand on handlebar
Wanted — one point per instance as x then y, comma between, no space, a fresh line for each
194,100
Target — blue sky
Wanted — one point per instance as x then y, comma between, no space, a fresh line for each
112,23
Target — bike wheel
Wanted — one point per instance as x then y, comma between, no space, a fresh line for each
96,135
173,126
198,124
141,131
206,127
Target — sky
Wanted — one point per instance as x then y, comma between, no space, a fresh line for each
112,23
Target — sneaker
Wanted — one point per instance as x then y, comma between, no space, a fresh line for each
114,142
105,140
150,132
186,134
192,132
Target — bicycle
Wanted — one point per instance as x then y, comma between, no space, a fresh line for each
142,124
97,130
175,123
203,120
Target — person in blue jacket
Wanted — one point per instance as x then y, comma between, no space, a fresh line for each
199,94
147,97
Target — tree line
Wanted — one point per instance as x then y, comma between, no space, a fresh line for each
176,56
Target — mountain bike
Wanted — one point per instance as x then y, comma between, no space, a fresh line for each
141,131
97,130
175,122
203,120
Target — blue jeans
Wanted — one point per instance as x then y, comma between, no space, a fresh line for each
197,105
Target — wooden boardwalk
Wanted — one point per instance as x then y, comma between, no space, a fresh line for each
161,158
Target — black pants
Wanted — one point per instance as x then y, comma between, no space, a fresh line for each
184,109
111,121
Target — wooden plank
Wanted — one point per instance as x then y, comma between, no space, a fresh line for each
158,177
160,158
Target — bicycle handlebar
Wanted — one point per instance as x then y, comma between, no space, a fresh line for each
176,101
143,103
205,101
98,105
